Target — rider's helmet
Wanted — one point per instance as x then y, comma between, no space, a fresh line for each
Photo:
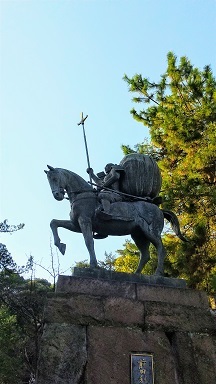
108,167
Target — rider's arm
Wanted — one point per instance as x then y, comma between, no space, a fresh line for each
94,177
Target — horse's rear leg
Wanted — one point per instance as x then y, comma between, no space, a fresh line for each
161,256
86,229
143,245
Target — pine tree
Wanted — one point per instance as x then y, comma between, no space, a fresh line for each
180,112
6,260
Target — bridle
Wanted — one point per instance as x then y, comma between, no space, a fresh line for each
76,193
77,197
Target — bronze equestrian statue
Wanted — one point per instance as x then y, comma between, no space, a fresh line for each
134,213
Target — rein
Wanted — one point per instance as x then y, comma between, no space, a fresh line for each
83,191
79,192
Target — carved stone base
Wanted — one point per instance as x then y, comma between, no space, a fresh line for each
93,325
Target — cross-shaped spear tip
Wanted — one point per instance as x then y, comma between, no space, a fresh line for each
82,119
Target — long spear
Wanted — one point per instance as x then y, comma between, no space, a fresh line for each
85,141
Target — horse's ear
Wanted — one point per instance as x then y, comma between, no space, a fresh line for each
51,168
45,171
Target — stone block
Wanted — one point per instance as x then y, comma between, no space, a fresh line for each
170,317
185,360
123,311
85,310
95,287
205,356
74,309
63,354
102,273
173,296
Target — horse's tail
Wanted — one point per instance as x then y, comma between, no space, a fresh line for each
173,220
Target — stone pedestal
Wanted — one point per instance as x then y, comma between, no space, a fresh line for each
93,325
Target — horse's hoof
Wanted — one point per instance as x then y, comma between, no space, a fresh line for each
94,265
159,274
62,248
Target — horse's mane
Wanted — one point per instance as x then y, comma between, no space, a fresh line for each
74,178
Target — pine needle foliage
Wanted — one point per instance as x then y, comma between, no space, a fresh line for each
180,112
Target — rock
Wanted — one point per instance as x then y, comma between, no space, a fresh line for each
63,354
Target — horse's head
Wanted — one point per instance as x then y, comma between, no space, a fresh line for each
56,182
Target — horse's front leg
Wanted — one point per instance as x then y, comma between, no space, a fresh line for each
54,225
86,229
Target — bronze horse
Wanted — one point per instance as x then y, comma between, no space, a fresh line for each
142,220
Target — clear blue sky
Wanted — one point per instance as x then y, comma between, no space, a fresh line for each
59,58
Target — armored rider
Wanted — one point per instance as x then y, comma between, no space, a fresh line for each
109,179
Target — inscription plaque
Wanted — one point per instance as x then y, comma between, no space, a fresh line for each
142,371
